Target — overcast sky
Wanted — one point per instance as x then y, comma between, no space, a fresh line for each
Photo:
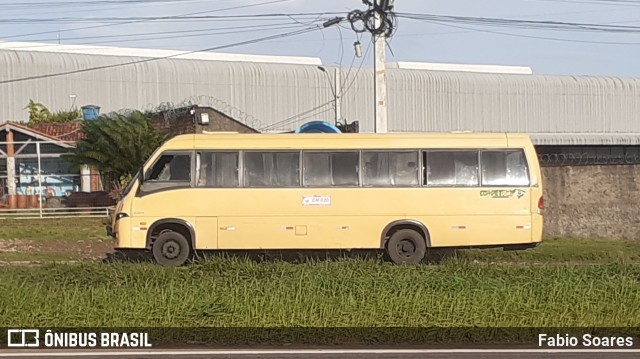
560,52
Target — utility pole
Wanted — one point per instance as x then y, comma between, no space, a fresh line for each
379,21
380,82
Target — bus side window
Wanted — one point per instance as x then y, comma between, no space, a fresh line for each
452,168
316,169
344,169
272,169
504,168
390,168
219,169
403,168
171,168
376,168
326,169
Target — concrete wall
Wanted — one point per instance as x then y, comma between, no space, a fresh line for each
219,122
592,201
181,121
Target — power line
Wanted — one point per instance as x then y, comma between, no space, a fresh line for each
173,34
95,8
141,21
190,18
95,68
212,33
535,37
598,2
353,60
523,24
86,3
355,76
296,117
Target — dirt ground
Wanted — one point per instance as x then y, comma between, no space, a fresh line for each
54,249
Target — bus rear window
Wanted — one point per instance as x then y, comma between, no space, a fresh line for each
504,168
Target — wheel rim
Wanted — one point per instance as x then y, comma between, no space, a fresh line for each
406,248
171,250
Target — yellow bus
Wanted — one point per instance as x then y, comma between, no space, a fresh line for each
400,192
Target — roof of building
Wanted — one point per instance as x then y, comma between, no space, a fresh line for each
62,131
35,133
155,53
279,97
433,66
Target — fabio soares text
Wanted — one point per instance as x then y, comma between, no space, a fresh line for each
586,340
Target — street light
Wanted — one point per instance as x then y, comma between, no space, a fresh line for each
336,98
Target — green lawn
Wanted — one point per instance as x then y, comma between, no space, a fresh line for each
562,250
562,282
72,229
329,293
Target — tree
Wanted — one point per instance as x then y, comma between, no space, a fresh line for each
39,113
117,144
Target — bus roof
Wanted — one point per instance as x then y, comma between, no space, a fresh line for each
347,140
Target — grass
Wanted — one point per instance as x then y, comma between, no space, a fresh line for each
331,293
71,229
562,250
38,256
597,284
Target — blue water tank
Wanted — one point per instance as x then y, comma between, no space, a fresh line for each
317,127
90,112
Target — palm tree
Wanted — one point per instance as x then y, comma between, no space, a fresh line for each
117,144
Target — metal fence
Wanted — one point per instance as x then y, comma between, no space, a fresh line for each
44,183
38,213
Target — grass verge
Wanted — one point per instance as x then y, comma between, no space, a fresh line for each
71,229
344,293
561,250
39,257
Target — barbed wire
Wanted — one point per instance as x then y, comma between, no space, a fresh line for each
172,111
585,159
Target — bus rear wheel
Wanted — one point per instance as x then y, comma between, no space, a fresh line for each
406,246
171,249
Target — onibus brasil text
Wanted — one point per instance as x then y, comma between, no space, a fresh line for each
50,339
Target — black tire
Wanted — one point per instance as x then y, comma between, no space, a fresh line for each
171,249
406,246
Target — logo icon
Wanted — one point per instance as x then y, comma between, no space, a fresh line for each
23,338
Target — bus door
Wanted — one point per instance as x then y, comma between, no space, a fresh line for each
217,179
506,195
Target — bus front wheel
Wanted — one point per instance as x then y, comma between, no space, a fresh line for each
171,249
406,246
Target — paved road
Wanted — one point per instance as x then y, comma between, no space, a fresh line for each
325,354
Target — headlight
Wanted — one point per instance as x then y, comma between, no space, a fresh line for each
121,215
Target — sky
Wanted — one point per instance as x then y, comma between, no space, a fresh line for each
126,23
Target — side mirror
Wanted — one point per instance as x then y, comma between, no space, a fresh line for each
141,176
